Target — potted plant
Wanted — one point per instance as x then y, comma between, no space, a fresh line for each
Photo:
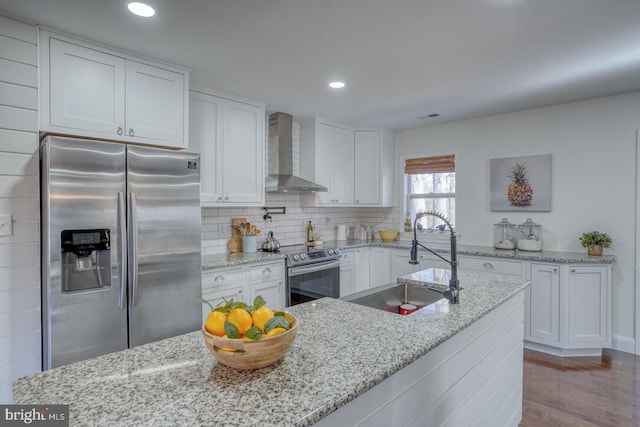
594,241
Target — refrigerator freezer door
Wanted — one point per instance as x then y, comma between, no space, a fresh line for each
83,315
164,243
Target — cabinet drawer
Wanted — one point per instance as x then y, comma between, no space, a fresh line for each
222,277
492,265
218,296
266,272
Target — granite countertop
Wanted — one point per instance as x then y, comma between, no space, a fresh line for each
341,351
486,251
211,262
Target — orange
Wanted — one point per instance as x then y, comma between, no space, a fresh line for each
261,316
241,319
275,331
215,323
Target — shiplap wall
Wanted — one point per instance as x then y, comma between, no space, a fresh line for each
20,252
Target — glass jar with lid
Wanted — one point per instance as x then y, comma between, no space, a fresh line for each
530,236
504,235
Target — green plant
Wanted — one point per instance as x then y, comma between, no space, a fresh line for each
595,238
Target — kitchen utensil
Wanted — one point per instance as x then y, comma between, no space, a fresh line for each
235,227
242,227
251,354
270,244
342,233
388,235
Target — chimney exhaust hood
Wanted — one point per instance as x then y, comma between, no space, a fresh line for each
280,178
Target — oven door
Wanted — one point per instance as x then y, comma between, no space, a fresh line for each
313,281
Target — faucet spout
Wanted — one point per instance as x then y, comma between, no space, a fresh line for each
453,293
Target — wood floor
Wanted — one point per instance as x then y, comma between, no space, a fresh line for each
581,391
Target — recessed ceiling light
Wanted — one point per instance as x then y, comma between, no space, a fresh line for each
141,9
336,85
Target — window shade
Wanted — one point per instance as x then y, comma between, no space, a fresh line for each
438,164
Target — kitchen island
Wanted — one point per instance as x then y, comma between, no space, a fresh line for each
344,358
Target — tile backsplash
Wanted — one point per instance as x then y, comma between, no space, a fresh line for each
290,228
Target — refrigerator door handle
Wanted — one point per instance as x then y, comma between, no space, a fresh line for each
122,230
133,248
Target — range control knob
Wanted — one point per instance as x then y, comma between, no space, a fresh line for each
330,251
303,256
295,257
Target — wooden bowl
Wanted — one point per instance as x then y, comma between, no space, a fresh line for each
254,354
388,235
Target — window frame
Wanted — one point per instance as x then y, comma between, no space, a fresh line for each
406,196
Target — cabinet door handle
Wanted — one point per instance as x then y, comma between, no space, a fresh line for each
119,131
131,132
226,200
573,271
555,270
266,272
219,199
488,266
219,279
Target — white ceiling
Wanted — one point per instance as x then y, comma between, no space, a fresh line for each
401,59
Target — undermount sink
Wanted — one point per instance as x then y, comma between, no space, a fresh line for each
391,297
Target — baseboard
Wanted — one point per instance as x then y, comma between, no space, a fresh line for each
628,345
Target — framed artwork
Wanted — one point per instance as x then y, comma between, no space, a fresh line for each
521,184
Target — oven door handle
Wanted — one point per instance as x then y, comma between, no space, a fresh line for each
296,271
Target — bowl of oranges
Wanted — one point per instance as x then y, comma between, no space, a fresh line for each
248,337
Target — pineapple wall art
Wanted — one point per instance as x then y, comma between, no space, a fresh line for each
521,183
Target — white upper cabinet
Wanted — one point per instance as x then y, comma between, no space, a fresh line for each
94,92
366,168
155,104
355,165
229,135
326,157
373,167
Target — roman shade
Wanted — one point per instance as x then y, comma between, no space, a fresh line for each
438,164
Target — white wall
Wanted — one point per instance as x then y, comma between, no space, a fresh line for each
20,252
592,144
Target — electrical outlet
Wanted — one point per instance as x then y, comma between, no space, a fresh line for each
6,225
223,230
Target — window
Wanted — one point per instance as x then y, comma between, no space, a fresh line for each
431,185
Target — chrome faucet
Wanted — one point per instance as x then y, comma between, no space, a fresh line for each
453,293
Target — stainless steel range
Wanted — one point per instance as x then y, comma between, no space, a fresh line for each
311,273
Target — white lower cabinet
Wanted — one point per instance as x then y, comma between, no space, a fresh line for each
491,265
347,272
543,305
354,271
569,309
361,264
267,280
379,266
244,283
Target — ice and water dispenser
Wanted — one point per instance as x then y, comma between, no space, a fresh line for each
86,259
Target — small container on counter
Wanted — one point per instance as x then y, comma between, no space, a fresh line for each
407,309
504,235
530,236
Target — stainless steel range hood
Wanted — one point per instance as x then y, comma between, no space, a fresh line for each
281,178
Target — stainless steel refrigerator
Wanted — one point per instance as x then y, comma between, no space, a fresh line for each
120,247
